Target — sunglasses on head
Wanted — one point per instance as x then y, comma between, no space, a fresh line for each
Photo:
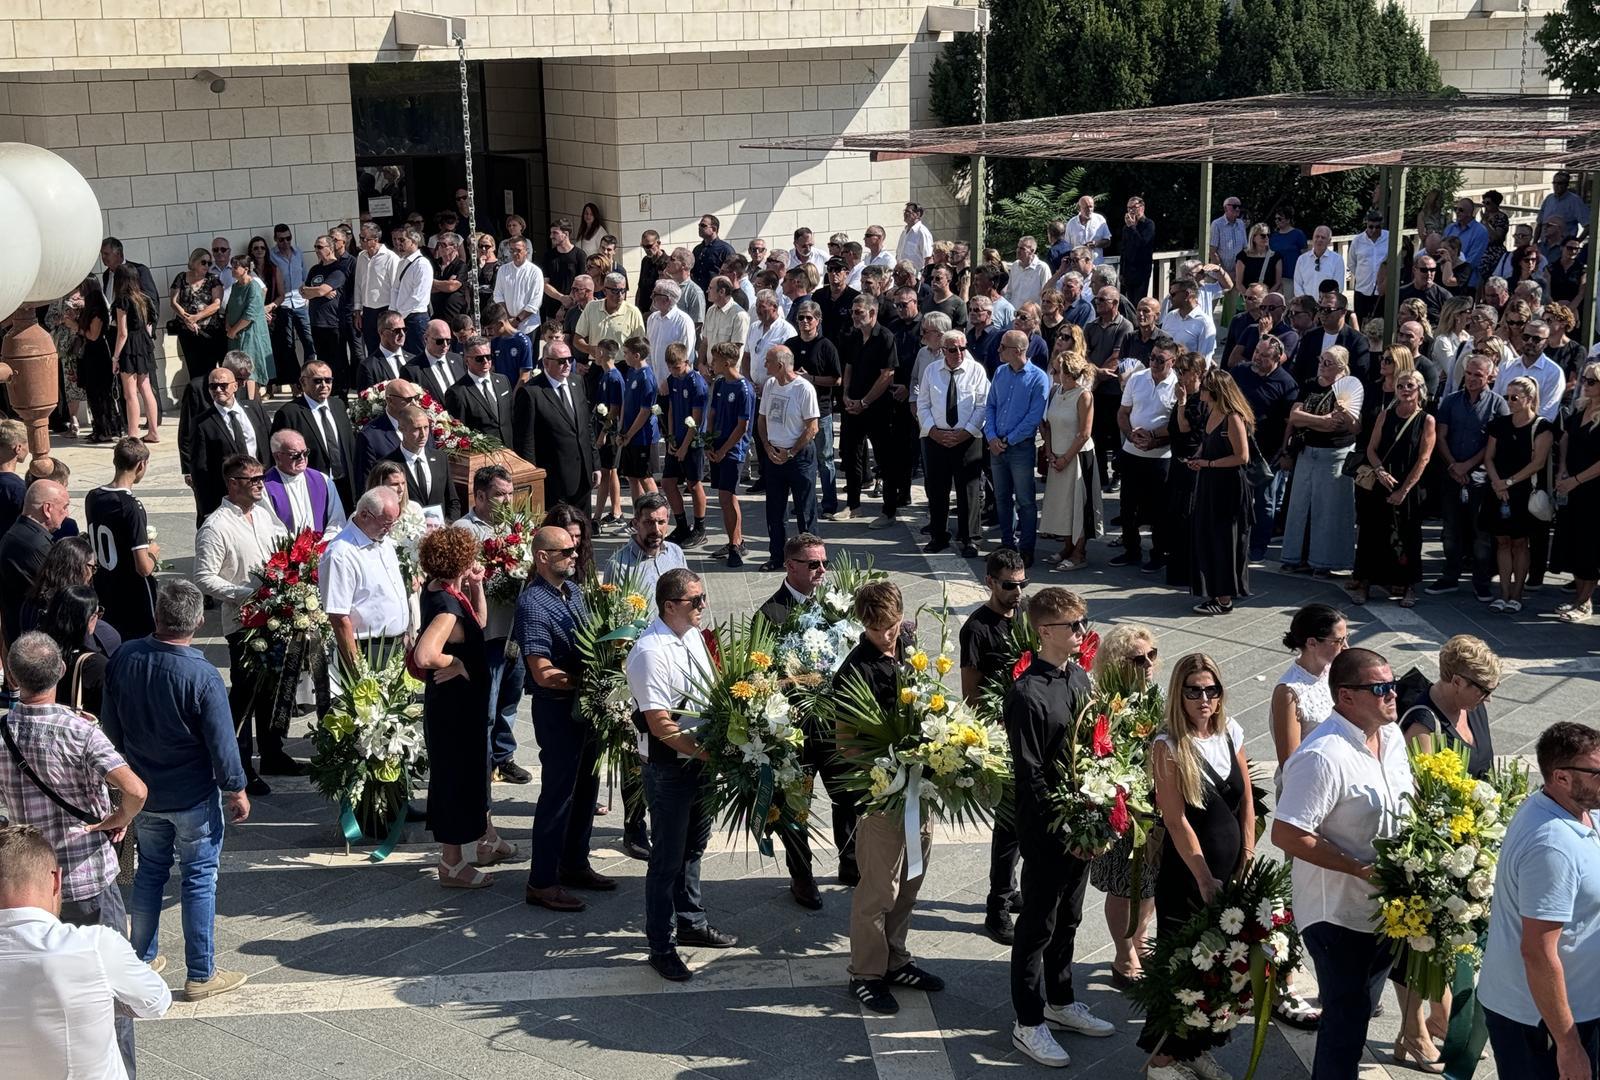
1194,693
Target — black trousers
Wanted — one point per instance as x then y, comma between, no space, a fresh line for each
1053,884
1004,854
904,436
1144,501
961,467
819,758
244,703
329,344
875,424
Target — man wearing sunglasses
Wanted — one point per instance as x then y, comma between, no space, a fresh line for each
1540,987
229,425
301,497
1343,789
381,435
322,420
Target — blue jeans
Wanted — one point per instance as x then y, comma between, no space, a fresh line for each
194,837
796,478
288,324
416,333
1527,1053
1265,500
506,675
1351,968
825,464
675,794
1014,483
563,818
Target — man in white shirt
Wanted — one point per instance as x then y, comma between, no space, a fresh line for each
1147,397
667,664
60,985
412,292
519,285
362,590
1319,264
804,251
301,497
950,412
1534,364
1088,229
1187,322
1028,274
767,329
1368,249
1344,789
874,253
787,426
916,242
666,325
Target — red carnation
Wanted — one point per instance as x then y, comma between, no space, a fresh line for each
1022,664
712,647
1086,650
1102,737
1120,818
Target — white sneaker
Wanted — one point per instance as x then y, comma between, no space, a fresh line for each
1206,1068
1175,1071
1078,1019
883,521
844,513
1040,1045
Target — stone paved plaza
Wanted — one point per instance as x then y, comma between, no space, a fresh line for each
363,970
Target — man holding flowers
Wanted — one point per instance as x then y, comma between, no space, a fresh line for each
1540,986
491,488
1343,789
1041,713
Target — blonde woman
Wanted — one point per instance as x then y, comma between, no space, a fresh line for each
1258,262
1579,480
1319,530
1072,487
1130,650
1389,513
1202,780
1453,342
1518,449
1219,535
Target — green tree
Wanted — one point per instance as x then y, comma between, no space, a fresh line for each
1570,38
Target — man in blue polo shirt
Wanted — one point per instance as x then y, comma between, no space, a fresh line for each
1011,418
1540,985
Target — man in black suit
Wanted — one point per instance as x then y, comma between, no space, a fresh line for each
1335,329
388,361
437,369
426,467
550,428
805,562
230,425
324,423
381,436
197,401
111,255
23,549
481,399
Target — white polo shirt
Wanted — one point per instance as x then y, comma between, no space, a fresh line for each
1151,404
1546,373
1194,331
1313,269
1334,787
665,672
520,288
663,330
1080,233
360,577
1025,283
761,338
413,286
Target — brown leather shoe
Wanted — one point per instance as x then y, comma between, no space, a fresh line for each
587,879
555,898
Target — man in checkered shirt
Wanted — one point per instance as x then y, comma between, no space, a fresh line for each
68,751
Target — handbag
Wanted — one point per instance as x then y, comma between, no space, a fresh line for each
1366,477
1540,506
1256,470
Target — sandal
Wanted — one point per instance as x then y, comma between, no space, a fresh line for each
1295,1011
1409,600
501,851
450,876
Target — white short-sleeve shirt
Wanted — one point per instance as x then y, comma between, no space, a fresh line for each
360,577
1151,404
413,285
1334,787
787,409
665,671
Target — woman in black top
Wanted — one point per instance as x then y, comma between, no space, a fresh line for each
1389,514
1222,511
1579,480
1564,352
196,314
133,351
71,621
96,331
1186,429
1519,447
1258,262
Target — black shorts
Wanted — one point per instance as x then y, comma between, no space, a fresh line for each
606,456
692,469
725,474
638,462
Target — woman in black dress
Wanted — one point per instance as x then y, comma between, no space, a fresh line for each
1219,523
1519,448
1186,430
95,376
197,314
1258,262
133,351
1389,514
1579,480
1203,794
455,704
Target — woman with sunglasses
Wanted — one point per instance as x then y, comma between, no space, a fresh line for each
1451,713
246,321
1525,267
1202,781
1518,449
1129,651
196,314
1258,263
1389,513
71,621
1579,480
488,268
450,650
1564,351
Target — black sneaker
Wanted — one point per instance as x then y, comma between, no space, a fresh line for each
719,553
283,766
755,489
706,937
678,535
1482,594
875,995
636,849
913,976
257,787
696,537
969,551
509,772
1001,927
735,560
1441,587
670,966
771,565
1129,557
849,875
933,547
1153,565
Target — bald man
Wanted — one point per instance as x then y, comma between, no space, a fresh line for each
381,436
23,548
437,369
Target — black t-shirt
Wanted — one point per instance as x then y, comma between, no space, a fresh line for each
818,357
881,672
953,306
347,296
865,359
1433,297
324,310
986,641
447,305
835,313
117,527
559,270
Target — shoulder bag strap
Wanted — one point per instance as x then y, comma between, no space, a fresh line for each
36,780
76,683
1399,435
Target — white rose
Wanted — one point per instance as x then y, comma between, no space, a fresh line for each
689,423
313,602
1456,906
1480,885
302,623
273,623
1422,943
601,411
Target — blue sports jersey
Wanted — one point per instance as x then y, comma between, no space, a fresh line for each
733,400
640,393
608,392
687,392
512,355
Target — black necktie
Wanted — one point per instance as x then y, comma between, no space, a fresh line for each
950,403
238,432
488,394
419,469
566,400
335,458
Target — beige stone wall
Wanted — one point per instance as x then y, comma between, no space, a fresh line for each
657,144
96,34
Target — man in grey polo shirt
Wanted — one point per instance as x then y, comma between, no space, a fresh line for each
1463,437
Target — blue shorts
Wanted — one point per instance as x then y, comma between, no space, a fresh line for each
690,470
725,473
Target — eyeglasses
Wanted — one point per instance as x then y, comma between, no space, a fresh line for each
1590,380
616,292
1535,340
1210,692
220,385
1327,311
320,380
438,340
252,479
696,602
809,564
220,250
397,399
205,262
951,349
485,247
294,455
1145,659
1428,269
1376,689
395,330
1580,768
1516,322
1343,641
1077,626
1011,586
805,318
559,553
1486,691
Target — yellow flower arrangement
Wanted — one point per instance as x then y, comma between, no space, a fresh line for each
943,665
760,659
638,603
743,690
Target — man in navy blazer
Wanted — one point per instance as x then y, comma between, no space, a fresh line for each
381,436
481,399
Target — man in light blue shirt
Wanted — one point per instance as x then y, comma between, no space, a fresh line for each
1562,203
1474,238
1540,985
293,317
1011,418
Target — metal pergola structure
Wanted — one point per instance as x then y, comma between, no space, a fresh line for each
1321,132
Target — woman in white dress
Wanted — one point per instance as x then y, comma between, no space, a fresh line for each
1072,485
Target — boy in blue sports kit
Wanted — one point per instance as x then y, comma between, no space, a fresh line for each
728,416
685,461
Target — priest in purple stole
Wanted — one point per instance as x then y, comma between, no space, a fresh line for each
301,497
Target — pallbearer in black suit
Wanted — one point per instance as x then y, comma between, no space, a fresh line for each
805,562
427,470
197,402
481,399
550,428
389,360
230,426
381,436
324,422
437,369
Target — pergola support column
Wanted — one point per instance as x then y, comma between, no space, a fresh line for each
1591,317
1394,200
1203,244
